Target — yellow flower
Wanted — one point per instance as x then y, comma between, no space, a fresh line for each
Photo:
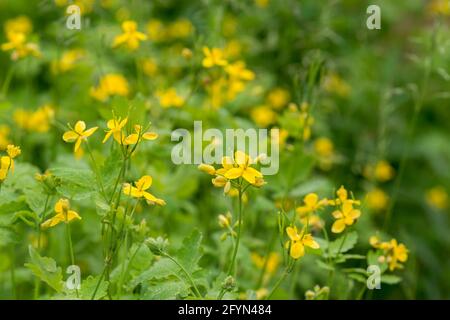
20,24
262,3
437,197
37,121
324,147
170,98
213,57
278,98
384,171
7,162
241,168
342,194
149,67
439,7
115,127
4,139
155,30
139,135
78,134
67,61
377,199
109,85
232,49
130,36
271,265
179,29
299,241
263,116
17,43
346,216
394,253
138,190
311,203
207,168
63,214
237,70
335,84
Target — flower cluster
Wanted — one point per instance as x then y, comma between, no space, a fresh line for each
393,253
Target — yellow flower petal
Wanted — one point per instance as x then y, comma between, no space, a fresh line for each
80,126
70,136
338,226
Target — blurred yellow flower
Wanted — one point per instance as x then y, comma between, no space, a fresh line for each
179,29
271,265
324,147
170,98
261,3
377,199
78,134
155,30
213,57
37,121
336,85
383,171
149,67
109,85
63,214
138,190
437,197
439,7
67,61
4,136
278,98
263,116
17,43
130,37
20,24
7,162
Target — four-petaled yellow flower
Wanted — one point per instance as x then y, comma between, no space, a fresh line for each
311,203
139,135
298,242
78,134
342,194
63,214
138,190
115,127
130,37
241,168
213,57
346,216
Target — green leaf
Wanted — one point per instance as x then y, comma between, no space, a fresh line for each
190,252
45,269
342,244
390,279
76,183
165,290
9,209
7,237
88,287
324,265
357,277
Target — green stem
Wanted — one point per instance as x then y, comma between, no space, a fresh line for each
97,172
7,81
236,247
280,280
196,291
13,274
69,242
